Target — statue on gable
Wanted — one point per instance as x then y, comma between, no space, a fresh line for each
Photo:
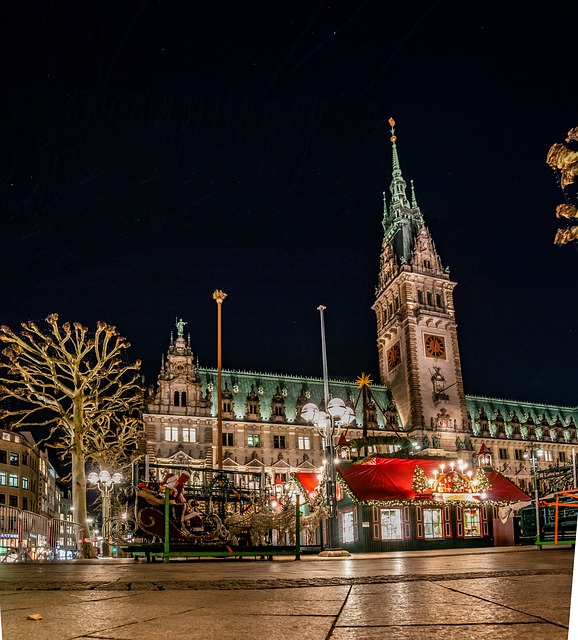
180,327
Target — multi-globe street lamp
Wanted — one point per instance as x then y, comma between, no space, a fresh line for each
328,424
533,452
105,482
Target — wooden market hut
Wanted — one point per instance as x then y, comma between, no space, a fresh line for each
398,504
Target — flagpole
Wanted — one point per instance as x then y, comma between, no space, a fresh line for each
219,296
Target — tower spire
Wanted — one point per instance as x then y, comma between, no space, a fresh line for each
413,198
398,185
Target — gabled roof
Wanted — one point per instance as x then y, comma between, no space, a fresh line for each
390,480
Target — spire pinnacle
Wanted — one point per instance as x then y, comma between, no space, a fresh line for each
398,185
413,198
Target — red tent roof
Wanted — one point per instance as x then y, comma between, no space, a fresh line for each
310,484
390,479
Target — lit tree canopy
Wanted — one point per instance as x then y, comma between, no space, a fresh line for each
565,162
78,385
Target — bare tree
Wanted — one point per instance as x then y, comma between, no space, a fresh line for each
80,388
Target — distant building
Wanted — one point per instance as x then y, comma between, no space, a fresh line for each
27,478
420,369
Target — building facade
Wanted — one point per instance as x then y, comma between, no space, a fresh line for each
421,393
27,478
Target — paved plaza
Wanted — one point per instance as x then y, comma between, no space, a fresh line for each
489,593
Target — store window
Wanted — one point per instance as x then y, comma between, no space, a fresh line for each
433,523
472,527
390,520
348,526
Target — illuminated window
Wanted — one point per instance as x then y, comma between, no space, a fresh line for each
13,480
303,442
432,523
25,482
390,524
171,434
189,434
3,478
14,459
472,523
253,440
548,456
348,526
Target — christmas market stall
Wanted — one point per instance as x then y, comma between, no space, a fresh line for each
392,504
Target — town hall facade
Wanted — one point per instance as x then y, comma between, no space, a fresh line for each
421,395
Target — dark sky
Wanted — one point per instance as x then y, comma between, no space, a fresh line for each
151,152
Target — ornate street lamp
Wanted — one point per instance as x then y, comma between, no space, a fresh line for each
533,452
329,424
105,482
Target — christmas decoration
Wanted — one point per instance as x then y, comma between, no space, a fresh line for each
480,482
420,482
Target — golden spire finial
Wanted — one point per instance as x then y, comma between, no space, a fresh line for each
392,125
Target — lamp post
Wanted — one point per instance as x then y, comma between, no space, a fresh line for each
105,482
533,452
328,424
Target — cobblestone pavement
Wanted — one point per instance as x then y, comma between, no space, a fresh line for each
500,593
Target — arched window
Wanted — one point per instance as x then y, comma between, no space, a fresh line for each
176,398
183,398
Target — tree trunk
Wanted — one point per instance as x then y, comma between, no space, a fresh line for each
79,502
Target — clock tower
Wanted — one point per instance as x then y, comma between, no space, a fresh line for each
416,328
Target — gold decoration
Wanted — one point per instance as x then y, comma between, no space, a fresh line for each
566,211
563,236
364,380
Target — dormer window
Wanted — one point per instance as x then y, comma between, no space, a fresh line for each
226,406
427,264
180,398
252,407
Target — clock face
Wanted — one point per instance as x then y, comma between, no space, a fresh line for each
393,356
435,346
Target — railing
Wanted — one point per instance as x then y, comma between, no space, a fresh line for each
29,536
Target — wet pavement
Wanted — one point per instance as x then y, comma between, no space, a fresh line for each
503,593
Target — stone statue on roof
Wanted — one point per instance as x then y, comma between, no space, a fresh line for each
180,327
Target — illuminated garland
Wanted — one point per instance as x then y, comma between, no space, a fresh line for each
419,502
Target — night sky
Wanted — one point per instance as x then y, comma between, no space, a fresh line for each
152,152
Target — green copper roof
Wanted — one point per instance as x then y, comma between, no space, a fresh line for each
291,388
523,413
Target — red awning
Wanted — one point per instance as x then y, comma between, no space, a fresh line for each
390,479
310,484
